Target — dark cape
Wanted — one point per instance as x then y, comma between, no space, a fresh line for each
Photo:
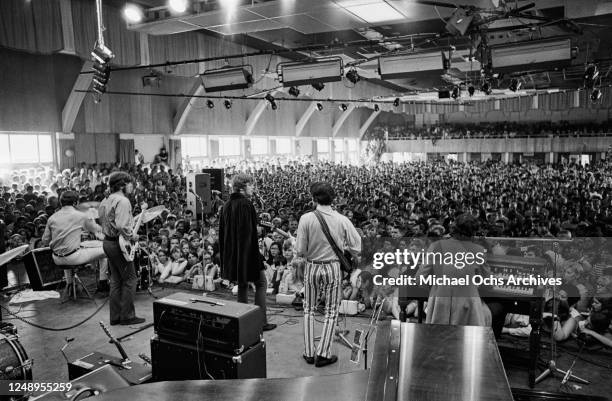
238,242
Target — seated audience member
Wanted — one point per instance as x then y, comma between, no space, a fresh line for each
160,262
174,273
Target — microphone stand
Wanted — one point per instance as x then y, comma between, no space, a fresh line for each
201,201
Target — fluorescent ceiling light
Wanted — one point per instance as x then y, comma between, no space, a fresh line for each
372,11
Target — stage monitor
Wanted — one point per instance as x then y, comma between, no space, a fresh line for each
41,269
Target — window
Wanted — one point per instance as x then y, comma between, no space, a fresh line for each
283,145
26,148
352,145
322,145
338,145
194,146
259,146
229,146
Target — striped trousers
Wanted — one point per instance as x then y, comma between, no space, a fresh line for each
325,279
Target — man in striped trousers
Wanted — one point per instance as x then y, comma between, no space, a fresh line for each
322,274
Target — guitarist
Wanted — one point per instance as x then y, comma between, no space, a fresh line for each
116,220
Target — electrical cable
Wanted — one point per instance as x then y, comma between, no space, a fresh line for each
38,326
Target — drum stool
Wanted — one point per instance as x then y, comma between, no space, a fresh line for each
76,281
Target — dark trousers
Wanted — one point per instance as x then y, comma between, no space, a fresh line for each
261,286
122,283
498,315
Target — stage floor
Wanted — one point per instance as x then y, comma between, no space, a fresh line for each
284,345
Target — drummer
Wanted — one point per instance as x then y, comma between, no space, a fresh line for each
63,235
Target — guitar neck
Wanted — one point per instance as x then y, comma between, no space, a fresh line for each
113,340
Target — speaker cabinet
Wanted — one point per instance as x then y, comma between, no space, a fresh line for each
198,184
179,361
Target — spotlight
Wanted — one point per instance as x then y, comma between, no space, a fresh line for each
353,76
396,102
294,91
318,86
101,56
178,6
376,108
228,104
456,93
270,99
210,104
595,95
343,107
591,73
319,106
515,85
133,13
486,88
471,90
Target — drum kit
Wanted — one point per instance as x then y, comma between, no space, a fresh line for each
14,361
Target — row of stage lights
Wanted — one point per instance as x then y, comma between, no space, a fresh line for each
134,13
227,103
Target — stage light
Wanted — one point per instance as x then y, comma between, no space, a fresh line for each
376,108
101,56
319,106
591,73
596,95
178,6
133,13
228,78
321,70
318,86
396,102
294,91
228,104
486,88
210,104
272,102
515,85
353,76
343,107
471,90
456,93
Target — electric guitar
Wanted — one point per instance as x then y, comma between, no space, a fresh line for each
113,340
128,246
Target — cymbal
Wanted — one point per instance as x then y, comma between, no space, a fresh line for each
12,254
152,214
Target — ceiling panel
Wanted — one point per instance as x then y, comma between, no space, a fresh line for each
222,18
246,27
304,23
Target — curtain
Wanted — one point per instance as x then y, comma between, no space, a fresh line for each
65,161
124,43
175,158
126,151
34,26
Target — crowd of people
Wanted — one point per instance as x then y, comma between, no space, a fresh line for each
489,130
408,201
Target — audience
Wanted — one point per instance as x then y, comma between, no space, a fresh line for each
384,200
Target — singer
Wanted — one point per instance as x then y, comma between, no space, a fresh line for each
239,247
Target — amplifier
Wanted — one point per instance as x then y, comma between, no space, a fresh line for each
177,361
42,271
219,324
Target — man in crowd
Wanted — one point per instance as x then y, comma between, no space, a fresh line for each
238,244
323,273
63,235
116,218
